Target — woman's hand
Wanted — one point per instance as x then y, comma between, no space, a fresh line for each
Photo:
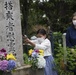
27,40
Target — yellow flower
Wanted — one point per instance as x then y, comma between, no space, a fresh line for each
30,51
42,54
10,56
41,51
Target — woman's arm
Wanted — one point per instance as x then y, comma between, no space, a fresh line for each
30,42
44,45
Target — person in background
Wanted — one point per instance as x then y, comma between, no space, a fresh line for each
44,44
71,33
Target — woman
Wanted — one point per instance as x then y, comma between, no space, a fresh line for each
44,43
71,33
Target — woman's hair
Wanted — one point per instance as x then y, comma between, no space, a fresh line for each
74,14
41,31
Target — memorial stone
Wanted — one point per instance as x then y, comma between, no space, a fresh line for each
10,28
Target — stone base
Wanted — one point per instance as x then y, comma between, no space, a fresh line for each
26,70
37,72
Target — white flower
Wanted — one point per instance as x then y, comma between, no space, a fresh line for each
41,62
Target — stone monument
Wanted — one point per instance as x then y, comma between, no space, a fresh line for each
10,28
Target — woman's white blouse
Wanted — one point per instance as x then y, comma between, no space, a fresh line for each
46,46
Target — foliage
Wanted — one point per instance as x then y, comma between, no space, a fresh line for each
26,61
57,40
57,37
58,14
65,60
71,58
65,65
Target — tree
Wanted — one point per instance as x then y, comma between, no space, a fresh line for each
58,12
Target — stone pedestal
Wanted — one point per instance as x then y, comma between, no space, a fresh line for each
37,72
25,70
7,73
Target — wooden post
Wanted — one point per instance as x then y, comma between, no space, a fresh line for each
64,47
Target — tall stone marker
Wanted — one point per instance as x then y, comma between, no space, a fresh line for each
10,28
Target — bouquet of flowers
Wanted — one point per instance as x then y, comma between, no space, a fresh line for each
37,59
7,61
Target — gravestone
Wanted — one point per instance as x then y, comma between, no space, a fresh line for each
10,28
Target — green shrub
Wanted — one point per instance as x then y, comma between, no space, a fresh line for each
65,63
